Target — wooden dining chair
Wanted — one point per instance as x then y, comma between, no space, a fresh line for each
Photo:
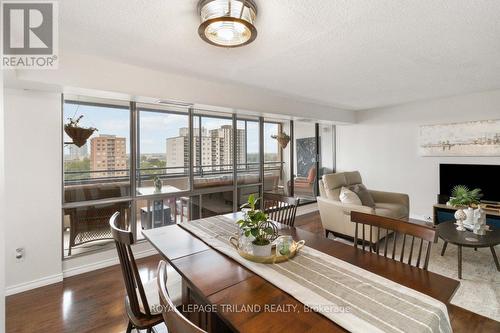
175,321
280,208
372,236
138,299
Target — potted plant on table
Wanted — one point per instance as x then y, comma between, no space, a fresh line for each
255,224
462,197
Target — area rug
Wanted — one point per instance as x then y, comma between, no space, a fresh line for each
479,290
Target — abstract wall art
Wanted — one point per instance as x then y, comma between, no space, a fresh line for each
306,155
472,138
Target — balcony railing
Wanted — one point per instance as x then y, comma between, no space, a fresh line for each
113,175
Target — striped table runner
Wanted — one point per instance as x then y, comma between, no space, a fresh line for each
353,298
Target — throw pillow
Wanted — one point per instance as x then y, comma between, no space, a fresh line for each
347,196
363,194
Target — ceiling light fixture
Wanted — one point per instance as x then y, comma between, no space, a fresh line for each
227,23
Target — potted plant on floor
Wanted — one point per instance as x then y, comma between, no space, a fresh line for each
255,224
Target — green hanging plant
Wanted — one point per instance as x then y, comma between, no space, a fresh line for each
462,196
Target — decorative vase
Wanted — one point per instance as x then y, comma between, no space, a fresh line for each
469,217
262,250
244,242
479,222
460,216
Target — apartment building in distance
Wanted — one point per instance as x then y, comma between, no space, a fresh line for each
213,149
78,153
108,154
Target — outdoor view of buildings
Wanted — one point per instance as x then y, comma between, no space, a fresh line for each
78,153
108,154
213,149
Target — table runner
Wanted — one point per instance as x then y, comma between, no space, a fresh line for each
329,285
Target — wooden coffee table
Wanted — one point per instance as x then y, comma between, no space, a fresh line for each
447,231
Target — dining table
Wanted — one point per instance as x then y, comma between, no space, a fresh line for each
221,295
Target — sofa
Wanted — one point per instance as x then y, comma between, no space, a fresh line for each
336,216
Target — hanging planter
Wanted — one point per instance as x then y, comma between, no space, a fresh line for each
78,134
283,139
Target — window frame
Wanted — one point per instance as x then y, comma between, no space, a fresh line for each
134,109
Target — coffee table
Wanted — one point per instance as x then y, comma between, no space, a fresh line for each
447,231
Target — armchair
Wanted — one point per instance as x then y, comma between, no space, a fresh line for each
305,185
336,216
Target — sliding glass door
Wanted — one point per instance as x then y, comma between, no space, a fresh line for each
305,163
162,165
96,171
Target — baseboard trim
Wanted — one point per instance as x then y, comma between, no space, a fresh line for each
25,286
104,263
56,278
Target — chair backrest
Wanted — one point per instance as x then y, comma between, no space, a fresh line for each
311,174
175,321
280,208
123,241
399,228
333,182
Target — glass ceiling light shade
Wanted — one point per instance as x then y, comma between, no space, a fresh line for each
227,23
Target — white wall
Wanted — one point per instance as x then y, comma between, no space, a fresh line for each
383,145
2,212
327,144
33,187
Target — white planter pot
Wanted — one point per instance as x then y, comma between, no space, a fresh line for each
262,250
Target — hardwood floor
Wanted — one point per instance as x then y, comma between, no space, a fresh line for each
91,302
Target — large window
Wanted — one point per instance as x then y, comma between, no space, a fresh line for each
305,162
97,168
275,175
213,146
158,165
162,166
162,150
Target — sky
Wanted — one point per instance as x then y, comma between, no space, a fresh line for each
156,127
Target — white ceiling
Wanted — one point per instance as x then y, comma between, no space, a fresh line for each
354,54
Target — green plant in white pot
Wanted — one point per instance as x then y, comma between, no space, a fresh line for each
255,224
461,196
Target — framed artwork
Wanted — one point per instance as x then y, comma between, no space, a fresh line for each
306,155
472,138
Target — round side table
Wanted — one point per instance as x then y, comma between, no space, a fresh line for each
447,231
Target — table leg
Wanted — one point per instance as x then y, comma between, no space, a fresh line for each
459,261
492,248
444,248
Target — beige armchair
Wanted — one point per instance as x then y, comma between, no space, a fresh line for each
336,216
